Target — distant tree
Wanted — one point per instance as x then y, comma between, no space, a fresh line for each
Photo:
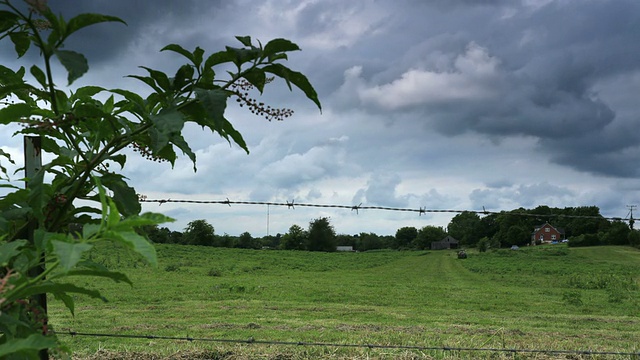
517,235
369,241
427,235
294,239
616,234
271,241
246,241
465,227
634,238
224,241
347,240
199,232
404,237
322,236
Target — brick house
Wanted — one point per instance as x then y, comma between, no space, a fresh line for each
546,233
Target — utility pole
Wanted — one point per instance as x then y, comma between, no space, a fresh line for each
32,165
631,221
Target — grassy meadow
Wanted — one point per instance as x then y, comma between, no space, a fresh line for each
547,297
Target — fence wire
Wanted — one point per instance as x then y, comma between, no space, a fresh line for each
421,211
252,340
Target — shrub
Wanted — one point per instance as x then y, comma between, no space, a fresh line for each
214,272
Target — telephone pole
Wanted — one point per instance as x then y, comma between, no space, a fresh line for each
631,221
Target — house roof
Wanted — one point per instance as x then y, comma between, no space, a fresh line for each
449,239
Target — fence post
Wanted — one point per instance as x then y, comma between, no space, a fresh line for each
33,164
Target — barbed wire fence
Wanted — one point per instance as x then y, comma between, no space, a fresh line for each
631,354
421,210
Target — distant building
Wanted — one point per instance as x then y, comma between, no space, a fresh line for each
546,233
344,248
447,243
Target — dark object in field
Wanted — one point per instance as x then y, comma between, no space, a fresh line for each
462,254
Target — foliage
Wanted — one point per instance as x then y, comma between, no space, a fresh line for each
246,241
404,237
427,235
466,228
294,239
198,232
76,199
321,236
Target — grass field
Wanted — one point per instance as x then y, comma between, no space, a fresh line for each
543,298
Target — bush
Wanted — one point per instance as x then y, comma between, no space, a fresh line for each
172,268
584,240
214,272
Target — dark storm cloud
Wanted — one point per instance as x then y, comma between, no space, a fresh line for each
103,42
518,71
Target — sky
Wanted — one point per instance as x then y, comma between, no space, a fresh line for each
434,104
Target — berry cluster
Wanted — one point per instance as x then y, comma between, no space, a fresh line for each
241,90
145,152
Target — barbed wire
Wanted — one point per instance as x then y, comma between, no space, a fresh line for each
252,340
421,211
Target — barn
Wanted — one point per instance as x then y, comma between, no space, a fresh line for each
449,242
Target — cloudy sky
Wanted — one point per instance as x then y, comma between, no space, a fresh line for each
436,104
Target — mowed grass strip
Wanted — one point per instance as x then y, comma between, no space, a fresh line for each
547,297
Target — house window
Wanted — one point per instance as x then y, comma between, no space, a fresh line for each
547,229
553,237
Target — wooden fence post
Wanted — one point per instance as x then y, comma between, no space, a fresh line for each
33,164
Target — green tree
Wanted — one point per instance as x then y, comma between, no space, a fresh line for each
466,228
246,241
616,234
199,232
369,241
295,239
404,237
428,234
321,236
82,135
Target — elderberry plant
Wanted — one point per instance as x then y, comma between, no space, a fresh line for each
77,199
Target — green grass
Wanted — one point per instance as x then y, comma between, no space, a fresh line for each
547,297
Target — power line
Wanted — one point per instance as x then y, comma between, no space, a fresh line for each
356,208
252,340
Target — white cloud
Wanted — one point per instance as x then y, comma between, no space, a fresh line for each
473,77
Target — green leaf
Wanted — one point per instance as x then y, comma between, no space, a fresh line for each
124,195
89,230
33,342
67,300
115,276
218,58
58,288
235,135
245,40
214,103
276,46
180,50
145,219
86,92
39,75
83,20
298,79
75,63
10,250
241,56
7,20
160,78
69,254
15,113
183,76
21,42
166,124
136,242
256,77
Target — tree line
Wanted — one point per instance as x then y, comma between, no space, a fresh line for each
585,226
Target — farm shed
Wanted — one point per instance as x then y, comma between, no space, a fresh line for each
344,248
448,242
